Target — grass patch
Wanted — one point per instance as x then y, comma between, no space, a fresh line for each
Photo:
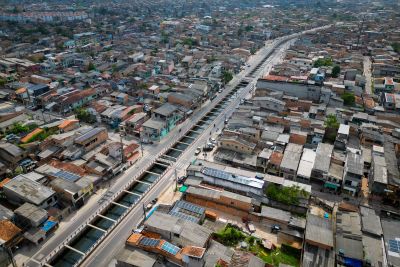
286,195
278,256
231,236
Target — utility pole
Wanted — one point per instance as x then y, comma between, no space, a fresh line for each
144,211
122,149
141,141
176,179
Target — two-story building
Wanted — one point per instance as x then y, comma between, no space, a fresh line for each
290,161
353,173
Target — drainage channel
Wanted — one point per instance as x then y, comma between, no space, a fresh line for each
74,251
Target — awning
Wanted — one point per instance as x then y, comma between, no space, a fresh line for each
329,185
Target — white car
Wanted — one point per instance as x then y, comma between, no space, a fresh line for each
197,151
213,141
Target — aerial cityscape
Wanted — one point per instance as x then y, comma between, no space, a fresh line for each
208,133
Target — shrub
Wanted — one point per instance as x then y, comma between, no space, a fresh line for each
286,195
230,236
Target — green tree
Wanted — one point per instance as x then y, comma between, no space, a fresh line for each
332,126
248,28
190,42
348,98
91,66
335,71
286,195
253,50
227,76
230,236
83,115
331,122
323,62
396,47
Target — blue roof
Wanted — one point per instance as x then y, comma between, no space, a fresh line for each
48,225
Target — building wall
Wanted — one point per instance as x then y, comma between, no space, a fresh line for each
235,187
179,101
236,146
232,209
303,91
94,141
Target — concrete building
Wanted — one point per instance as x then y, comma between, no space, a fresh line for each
178,231
290,161
11,154
353,173
237,144
318,245
188,211
21,189
302,91
342,137
132,125
269,103
306,165
378,179
321,166
30,215
334,178
391,235
92,138
224,201
372,237
349,246
231,179
130,257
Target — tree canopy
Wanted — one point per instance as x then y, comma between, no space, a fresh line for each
227,76
331,122
323,62
335,71
348,98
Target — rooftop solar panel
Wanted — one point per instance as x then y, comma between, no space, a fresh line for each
69,176
394,246
171,249
188,206
232,177
150,242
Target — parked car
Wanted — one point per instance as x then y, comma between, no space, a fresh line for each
149,206
197,151
208,147
275,228
251,227
181,179
213,141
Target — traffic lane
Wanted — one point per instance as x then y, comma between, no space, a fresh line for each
125,178
116,239
116,233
